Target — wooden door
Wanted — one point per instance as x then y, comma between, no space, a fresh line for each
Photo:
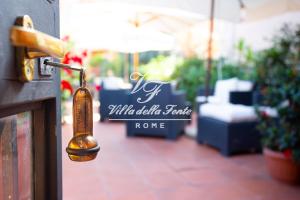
30,129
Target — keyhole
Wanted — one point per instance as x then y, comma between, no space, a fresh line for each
29,25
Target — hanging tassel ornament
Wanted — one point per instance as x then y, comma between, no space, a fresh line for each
83,146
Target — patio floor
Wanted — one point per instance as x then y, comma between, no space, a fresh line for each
153,168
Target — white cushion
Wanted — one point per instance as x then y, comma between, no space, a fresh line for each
271,112
224,87
244,86
113,83
174,85
228,112
126,86
209,99
201,99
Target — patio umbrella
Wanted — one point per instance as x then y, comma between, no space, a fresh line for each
124,28
224,9
94,12
258,10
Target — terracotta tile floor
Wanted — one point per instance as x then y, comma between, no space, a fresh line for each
153,168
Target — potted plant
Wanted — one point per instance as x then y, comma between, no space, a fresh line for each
278,77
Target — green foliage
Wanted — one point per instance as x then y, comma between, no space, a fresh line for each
65,95
246,56
115,64
146,57
278,77
190,75
160,68
230,70
96,61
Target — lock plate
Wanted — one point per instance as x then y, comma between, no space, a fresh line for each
45,70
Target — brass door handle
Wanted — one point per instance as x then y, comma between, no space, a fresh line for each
31,44
30,38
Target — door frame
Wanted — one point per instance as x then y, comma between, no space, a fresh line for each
46,145
41,95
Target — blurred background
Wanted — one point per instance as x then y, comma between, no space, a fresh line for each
207,49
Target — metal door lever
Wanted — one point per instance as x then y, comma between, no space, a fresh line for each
32,44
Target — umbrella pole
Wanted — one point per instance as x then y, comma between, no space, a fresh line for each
126,76
210,42
135,62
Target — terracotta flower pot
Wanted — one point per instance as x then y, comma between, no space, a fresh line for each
282,168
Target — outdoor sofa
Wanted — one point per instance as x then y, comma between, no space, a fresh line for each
157,125
228,120
113,92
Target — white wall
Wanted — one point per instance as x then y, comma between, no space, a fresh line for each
257,34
